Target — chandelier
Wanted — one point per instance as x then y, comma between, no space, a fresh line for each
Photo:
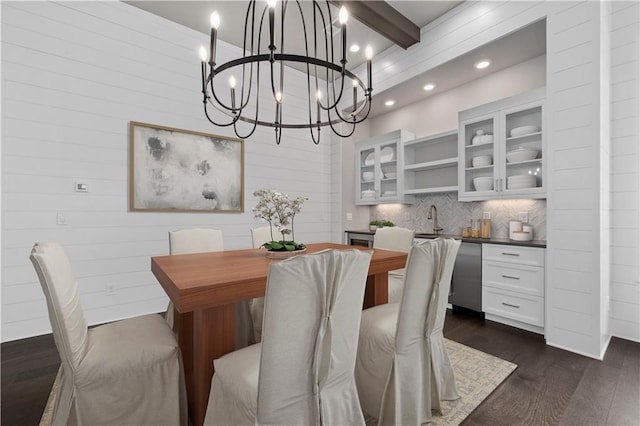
329,82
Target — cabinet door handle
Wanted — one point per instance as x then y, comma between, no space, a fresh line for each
511,277
504,253
496,187
501,188
510,305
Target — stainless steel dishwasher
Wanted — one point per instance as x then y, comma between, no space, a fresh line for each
466,284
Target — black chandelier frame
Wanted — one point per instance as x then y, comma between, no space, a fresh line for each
237,113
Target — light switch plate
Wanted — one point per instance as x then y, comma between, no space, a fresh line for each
486,215
61,218
81,186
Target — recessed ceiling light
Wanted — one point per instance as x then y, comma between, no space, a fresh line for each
429,86
354,48
482,64
390,102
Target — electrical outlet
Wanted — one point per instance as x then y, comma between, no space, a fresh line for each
524,217
486,215
61,218
110,289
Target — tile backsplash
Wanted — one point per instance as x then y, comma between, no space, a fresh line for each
453,214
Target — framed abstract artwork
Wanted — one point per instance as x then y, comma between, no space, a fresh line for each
175,170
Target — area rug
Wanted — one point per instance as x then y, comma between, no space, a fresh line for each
478,374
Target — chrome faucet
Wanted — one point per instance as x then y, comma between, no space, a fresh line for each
433,214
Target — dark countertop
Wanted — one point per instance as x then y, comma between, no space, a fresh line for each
507,241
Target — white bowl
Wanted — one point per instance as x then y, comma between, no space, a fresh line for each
389,193
481,161
483,183
523,130
390,175
367,176
521,154
368,193
521,236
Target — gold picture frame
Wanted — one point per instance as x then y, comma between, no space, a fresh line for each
177,170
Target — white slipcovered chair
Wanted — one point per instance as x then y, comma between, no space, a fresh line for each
187,241
126,372
203,240
397,239
403,369
259,236
302,371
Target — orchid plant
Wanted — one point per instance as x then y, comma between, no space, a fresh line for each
277,209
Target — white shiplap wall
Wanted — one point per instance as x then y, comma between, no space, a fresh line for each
624,315
577,248
73,75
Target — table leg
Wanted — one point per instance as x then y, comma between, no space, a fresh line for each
377,290
213,336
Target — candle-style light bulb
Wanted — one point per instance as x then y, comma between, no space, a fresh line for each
318,108
368,53
279,97
215,19
271,3
203,54
232,82
343,16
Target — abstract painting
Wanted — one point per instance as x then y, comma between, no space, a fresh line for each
181,170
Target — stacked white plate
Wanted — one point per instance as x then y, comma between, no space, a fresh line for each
484,183
367,176
521,154
521,181
386,154
390,175
389,193
368,194
481,161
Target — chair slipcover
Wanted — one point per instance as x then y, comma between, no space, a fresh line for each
126,372
302,372
259,236
198,240
397,239
203,240
403,369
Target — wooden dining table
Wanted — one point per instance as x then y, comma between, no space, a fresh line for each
204,289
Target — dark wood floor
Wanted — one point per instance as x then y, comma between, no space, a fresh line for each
550,386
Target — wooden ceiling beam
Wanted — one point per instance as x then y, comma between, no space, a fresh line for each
383,19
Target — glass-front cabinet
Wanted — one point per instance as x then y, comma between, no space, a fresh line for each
501,148
378,169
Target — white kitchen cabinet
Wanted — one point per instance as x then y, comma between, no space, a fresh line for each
378,169
431,164
513,285
504,175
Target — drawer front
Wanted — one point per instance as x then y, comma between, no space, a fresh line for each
527,309
512,277
532,256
